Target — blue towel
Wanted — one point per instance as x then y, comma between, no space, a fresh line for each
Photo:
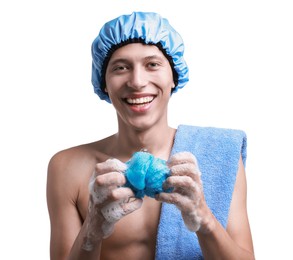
218,152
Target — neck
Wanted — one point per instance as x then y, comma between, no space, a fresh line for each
156,140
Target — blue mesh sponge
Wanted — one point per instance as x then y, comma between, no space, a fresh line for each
145,174
151,28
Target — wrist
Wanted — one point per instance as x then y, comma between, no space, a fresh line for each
92,230
208,224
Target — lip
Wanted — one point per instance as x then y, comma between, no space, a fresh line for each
139,108
139,95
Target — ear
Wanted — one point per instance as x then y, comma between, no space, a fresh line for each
105,89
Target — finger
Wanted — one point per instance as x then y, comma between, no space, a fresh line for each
189,211
182,202
187,169
111,179
111,165
114,211
122,193
173,198
106,195
132,205
182,184
98,194
101,187
181,158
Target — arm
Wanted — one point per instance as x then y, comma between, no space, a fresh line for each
62,195
236,241
188,196
69,236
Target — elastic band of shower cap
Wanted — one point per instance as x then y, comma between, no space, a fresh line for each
147,27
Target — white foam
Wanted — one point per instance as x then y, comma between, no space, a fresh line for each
113,211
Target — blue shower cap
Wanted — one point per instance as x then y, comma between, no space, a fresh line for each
147,27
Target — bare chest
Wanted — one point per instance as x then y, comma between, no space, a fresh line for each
134,236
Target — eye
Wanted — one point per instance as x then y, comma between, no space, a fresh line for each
153,65
119,68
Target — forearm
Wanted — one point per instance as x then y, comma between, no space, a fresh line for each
217,244
87,245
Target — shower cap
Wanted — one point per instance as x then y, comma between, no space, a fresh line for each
147,27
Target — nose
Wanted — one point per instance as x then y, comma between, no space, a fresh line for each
137,78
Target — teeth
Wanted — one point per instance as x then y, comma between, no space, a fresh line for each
138,101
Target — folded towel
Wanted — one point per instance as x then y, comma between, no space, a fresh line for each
218,152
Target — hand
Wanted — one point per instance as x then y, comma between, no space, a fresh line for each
187,192
109,202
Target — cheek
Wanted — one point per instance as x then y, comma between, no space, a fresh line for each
111,83
169,80
115,83
165,83
111,87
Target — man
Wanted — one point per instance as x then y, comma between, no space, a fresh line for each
200,211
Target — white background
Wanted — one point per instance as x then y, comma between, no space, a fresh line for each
240,57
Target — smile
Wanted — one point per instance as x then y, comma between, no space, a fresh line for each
140,101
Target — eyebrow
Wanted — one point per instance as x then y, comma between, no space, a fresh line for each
125,60
122,60
154,57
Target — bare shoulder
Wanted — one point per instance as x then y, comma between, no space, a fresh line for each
72,165
69,171
70,161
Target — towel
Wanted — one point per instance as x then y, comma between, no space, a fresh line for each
218,152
